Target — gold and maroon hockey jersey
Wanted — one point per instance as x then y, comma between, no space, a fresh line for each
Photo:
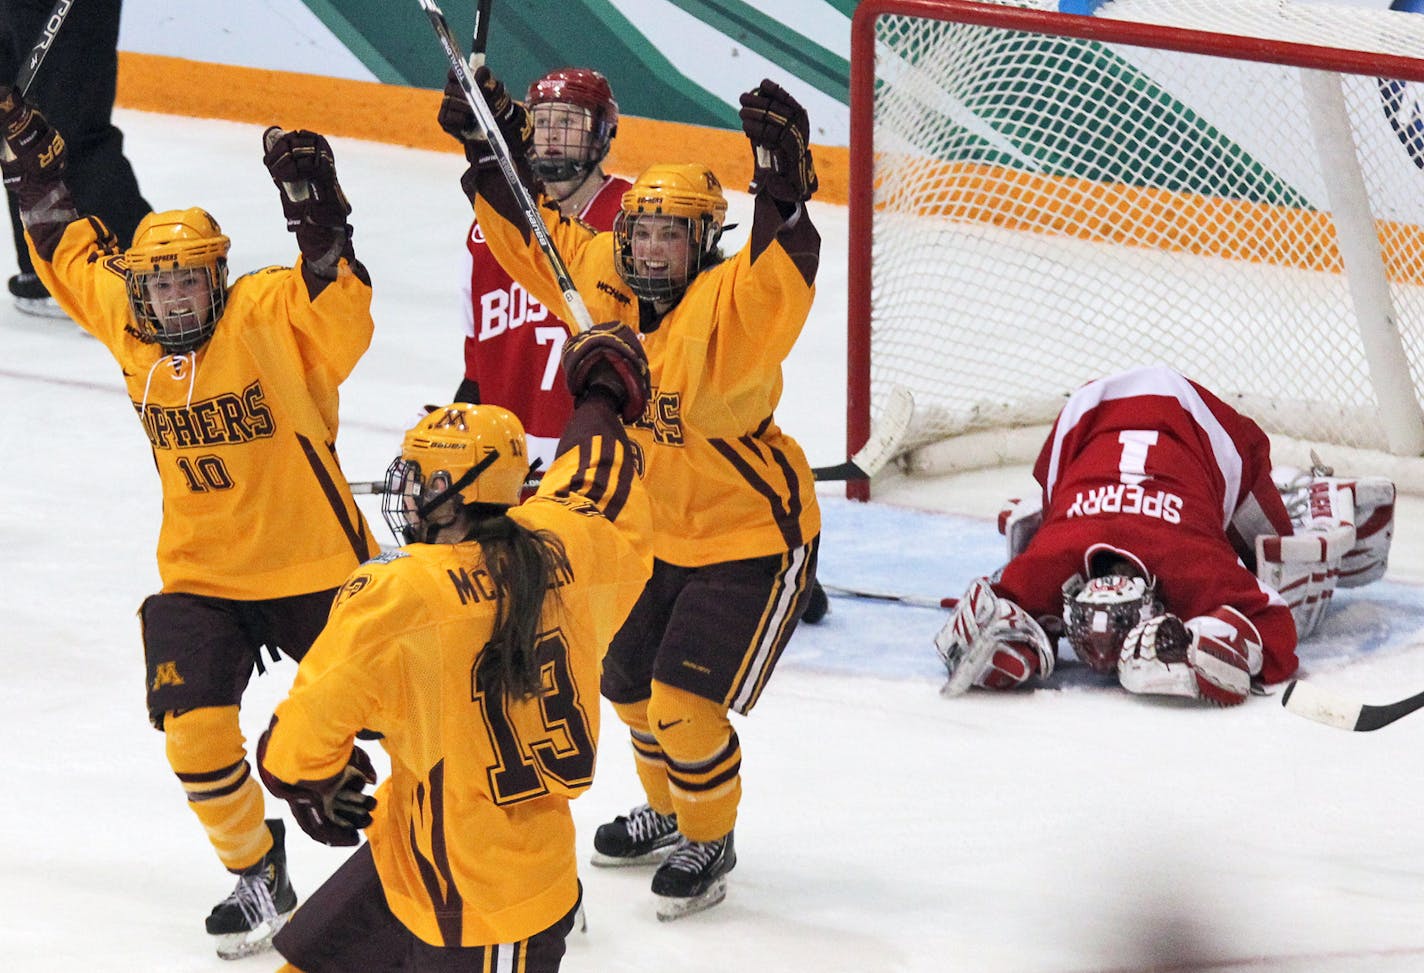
243,430
725,482
472,835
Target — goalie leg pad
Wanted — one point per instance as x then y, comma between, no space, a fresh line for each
1374,530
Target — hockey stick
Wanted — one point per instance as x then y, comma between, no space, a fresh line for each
48,33
884,445
502,156
885,442
1303,699
481,39
913,601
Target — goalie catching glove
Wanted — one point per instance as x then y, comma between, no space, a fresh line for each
992,643
332,811
780,135
609,357
1210,657
30,147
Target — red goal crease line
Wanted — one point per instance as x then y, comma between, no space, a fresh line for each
1156,219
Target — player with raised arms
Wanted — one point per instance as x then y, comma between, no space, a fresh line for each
735,515
236,388
512,341
473,650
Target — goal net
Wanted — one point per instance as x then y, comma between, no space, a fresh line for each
1233,188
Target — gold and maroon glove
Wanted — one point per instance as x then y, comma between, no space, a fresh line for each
609,357
32,149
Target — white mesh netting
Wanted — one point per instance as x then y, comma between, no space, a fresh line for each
1050,209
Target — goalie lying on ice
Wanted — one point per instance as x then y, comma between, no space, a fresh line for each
1165,550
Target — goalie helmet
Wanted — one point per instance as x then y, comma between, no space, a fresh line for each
667,229
177,278
476,453
1098,614
575,119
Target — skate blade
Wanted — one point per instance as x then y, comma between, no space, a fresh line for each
670,908
654,857
240,945
41,307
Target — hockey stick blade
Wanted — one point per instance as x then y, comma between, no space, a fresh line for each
1303,699
886,441
913,601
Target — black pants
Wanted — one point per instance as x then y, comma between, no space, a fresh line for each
74,89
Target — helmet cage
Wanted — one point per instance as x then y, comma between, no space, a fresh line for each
181,333
405,505
664,287
572,131
1098,614
560,94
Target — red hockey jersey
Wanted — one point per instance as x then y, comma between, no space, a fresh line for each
1152,463
513,342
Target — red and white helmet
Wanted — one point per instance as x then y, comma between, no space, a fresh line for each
597,119
1098,613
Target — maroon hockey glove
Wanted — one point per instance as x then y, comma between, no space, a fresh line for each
609,357
780,135
514,121
304,171
456,117
331,811
32,148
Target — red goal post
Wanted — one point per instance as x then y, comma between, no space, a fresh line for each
1234,188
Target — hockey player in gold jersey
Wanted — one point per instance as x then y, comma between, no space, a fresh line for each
734,506
474,650
236,389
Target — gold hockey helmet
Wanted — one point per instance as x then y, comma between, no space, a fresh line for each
177,277
474,452
685,192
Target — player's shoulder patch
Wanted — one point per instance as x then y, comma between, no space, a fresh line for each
263,272
352,587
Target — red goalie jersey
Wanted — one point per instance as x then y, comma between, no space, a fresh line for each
1153,464
513,342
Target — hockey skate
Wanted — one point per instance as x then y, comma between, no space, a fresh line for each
31,297
640,837
694,877
245,922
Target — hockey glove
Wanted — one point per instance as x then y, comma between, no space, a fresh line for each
331,811
992,643
30,147
609,357
779,132
304,171
514,121
1210,657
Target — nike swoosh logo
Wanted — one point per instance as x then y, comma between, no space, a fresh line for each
668,725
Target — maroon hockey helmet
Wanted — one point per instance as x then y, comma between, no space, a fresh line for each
582,88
